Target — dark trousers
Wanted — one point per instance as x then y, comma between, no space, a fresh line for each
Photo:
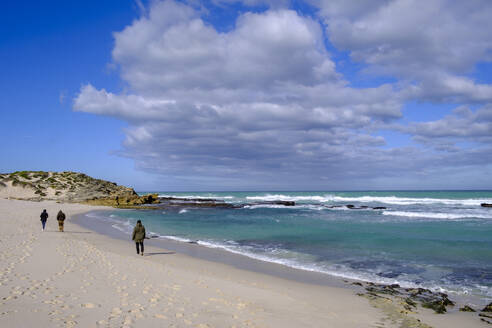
137,243
43,223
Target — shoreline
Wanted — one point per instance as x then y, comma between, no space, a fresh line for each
218,255
258,265
82,278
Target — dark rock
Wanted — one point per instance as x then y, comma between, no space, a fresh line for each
357,283
467,308
488,308
352,207
379,208
485,315
198,204
189,199
437,306
410,302
382,289
486,321
486,205
280,202
417,291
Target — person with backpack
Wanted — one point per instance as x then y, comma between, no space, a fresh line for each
44,218
61,218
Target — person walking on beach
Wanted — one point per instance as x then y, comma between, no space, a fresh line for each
61,218
138,236
44,218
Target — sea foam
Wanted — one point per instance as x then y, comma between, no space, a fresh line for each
450,216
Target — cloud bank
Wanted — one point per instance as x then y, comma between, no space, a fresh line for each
264,106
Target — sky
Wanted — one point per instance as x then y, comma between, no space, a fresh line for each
226,95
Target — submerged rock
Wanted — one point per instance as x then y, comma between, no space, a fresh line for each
279,202
189,199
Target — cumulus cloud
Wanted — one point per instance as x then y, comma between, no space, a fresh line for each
463,123
434,44
262,105
173,48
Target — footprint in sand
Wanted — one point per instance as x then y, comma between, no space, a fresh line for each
116,312
88,305
128,320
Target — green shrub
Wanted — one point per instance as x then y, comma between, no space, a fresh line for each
23,174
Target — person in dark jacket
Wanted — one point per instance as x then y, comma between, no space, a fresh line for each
61,218
138,236
44,218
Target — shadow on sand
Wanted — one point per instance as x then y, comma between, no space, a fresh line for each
159,253
68,231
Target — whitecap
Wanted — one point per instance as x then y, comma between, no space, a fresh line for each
432,215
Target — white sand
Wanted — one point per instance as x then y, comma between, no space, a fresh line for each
80,278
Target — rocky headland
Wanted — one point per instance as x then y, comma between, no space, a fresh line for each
74,187
71,187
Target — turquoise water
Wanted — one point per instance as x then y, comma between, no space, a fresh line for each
435,239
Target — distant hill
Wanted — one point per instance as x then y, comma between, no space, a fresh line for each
60,186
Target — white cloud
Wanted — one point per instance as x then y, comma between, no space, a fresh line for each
434,44
263,105
173,48
463,123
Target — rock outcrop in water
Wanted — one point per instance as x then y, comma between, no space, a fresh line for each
467,308
133,201
214,203
486,205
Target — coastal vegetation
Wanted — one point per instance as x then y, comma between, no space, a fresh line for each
69,186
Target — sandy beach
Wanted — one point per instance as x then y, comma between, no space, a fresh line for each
80,278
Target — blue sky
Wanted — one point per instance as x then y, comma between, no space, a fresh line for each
250,95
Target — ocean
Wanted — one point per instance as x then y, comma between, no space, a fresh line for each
441,240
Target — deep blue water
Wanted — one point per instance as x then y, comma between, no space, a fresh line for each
440,239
